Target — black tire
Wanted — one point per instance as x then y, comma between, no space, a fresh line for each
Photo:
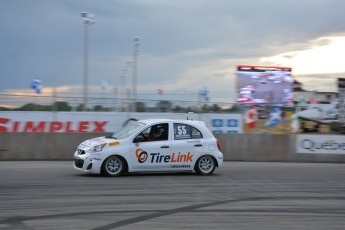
205,165
113,166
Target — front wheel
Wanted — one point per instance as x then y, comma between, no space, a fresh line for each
113,166
205,165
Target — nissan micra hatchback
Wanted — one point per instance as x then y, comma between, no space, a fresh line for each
151,145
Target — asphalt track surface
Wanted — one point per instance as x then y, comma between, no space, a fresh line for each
241,195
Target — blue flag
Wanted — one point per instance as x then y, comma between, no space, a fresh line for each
204,94
275,117
36,85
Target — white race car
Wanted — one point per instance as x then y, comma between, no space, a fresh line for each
151,145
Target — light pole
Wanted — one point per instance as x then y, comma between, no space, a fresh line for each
123,92
135,72
88,20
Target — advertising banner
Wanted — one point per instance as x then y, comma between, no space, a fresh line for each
223,123
99,122
320,144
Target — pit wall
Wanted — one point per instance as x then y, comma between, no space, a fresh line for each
235,147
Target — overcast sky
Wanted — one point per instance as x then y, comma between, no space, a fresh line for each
185,44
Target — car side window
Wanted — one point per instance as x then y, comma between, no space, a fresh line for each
183,131
159,132
196,134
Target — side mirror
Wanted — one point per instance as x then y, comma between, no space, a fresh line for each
138,139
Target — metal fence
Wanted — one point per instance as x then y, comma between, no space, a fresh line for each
113,102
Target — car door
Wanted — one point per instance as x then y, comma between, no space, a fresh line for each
187,145
153,152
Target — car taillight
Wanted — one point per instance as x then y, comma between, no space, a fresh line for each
218,144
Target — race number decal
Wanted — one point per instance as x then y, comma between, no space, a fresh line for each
182,131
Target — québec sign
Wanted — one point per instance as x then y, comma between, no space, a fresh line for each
9,125
320,144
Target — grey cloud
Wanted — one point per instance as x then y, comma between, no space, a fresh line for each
45,37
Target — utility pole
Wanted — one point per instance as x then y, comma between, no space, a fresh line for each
135,72
88,20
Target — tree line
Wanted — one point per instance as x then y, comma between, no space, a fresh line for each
161,106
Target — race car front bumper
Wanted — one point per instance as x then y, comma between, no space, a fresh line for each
86,163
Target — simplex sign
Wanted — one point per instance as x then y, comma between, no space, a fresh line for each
100,122
320,144
7,125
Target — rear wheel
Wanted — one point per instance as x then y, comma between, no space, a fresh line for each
205,165
113,166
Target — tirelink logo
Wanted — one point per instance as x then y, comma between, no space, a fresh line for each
142,156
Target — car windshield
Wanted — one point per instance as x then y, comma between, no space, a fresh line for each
128,130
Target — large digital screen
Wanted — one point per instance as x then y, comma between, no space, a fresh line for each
264,84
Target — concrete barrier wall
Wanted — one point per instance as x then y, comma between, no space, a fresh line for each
41,146
269,147
236,147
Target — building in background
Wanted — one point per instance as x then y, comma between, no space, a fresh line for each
312,97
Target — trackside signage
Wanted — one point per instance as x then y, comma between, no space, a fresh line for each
8,125
320,144
100,122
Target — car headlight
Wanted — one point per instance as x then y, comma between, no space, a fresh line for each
96,148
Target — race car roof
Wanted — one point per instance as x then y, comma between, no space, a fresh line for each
155,120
